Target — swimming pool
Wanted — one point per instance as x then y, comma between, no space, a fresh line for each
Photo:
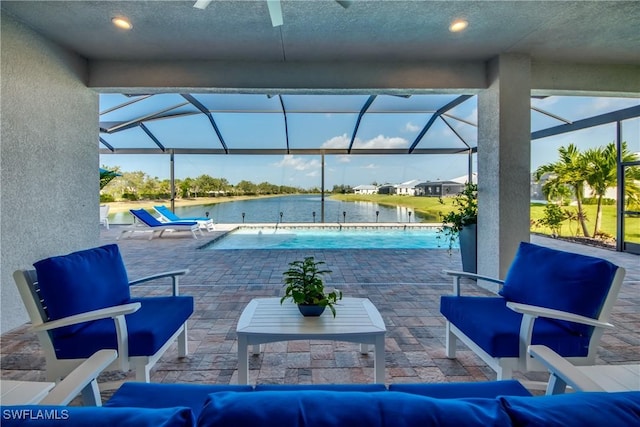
345,237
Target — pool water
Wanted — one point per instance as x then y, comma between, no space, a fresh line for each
331,238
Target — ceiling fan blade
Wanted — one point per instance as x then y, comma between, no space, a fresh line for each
202,4
275,10
344,3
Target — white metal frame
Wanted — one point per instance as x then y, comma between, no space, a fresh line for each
56,369
504,366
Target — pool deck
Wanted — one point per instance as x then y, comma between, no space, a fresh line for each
405,286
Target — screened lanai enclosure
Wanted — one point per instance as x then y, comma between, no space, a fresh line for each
431,130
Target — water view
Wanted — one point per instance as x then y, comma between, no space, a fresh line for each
299,208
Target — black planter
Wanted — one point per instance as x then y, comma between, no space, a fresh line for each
311,310
468,248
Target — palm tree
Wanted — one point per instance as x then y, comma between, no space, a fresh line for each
602,174
570,170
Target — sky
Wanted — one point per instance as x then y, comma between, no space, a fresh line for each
329,124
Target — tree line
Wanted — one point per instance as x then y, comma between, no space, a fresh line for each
577,171
116,185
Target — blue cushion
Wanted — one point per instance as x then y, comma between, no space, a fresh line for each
484,389
152,221
327,387
576,409
496,328
560,280
82,281
146,395
72,416
311,408
149,329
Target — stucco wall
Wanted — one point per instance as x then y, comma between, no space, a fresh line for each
48,158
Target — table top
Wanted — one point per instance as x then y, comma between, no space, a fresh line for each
23,392
266,316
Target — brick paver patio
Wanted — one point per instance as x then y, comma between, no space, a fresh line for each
405,286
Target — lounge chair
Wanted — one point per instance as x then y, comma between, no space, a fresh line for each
81,303
166,215
549,297
146,223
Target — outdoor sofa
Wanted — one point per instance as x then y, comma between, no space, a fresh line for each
497,403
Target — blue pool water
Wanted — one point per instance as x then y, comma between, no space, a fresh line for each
330,238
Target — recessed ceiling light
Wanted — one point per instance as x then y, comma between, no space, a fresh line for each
458,25
122,22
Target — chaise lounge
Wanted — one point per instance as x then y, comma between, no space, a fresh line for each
147,223
166,215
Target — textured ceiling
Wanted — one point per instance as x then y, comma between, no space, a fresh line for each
387,31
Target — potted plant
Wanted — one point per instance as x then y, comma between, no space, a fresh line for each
460,224
305,287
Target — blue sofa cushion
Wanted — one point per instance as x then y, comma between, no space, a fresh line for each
82,416
326,387
149,329
620,409
146,395
483,389
318,408
82,281
496,328
559,280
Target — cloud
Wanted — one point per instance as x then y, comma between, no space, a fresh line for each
370,166
410,127
297,163
313,173
343,159
382,141
341,141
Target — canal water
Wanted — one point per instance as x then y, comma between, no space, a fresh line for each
298,208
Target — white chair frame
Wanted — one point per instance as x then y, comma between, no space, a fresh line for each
504,366
104,216
56,369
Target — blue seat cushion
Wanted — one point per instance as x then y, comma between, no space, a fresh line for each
496,328
319,408
146,395
82,281
149,328
559,280
82,416
621,409
484,389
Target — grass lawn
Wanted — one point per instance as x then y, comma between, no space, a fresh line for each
431,209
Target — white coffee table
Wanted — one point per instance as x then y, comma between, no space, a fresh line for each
265,320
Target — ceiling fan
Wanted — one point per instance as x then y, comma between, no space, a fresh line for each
275,8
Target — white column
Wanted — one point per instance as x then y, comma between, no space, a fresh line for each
504,162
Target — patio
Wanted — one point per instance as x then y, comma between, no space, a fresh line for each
404,285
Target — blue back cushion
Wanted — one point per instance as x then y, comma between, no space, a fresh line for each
576,409
145,217
80,416
82,281
484,389
156,395
316,408
167,213
559,280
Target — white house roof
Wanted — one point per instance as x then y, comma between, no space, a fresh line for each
465,178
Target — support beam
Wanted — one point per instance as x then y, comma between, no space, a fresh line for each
504,123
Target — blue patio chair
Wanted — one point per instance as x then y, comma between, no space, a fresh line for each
549,297
80,303
166,215
147,223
